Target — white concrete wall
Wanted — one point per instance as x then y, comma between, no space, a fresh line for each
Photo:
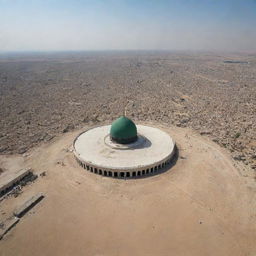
126,173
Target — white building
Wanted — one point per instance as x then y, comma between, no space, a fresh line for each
124,149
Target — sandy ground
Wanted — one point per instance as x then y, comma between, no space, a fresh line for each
201,206
45,95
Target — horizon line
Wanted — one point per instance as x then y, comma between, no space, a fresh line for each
126,50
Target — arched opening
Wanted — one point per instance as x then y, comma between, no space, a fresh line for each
147,171
100,171
139,173
96,170
127,174
143,172
122,174
110,174
87,167
159,166
115,174
152,169
155,168
91,169
134,174
105,173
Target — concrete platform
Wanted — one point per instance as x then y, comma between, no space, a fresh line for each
95,152
9,178
25,207
8,225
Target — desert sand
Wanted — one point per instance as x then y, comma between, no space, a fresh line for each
200,206
45,95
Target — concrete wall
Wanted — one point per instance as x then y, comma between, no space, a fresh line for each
126,173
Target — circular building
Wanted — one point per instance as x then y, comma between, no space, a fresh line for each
124,149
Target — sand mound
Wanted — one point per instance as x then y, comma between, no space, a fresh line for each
202,206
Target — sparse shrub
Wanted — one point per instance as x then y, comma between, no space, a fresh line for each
237,135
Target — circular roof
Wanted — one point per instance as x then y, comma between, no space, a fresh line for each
123,128
91,148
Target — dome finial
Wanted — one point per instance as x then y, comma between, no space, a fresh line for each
125,107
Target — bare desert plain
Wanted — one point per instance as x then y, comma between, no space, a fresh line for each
204,204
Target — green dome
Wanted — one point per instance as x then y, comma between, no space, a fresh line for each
123,130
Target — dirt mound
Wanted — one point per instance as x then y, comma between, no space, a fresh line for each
201,206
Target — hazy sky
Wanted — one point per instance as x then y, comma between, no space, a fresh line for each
127,24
